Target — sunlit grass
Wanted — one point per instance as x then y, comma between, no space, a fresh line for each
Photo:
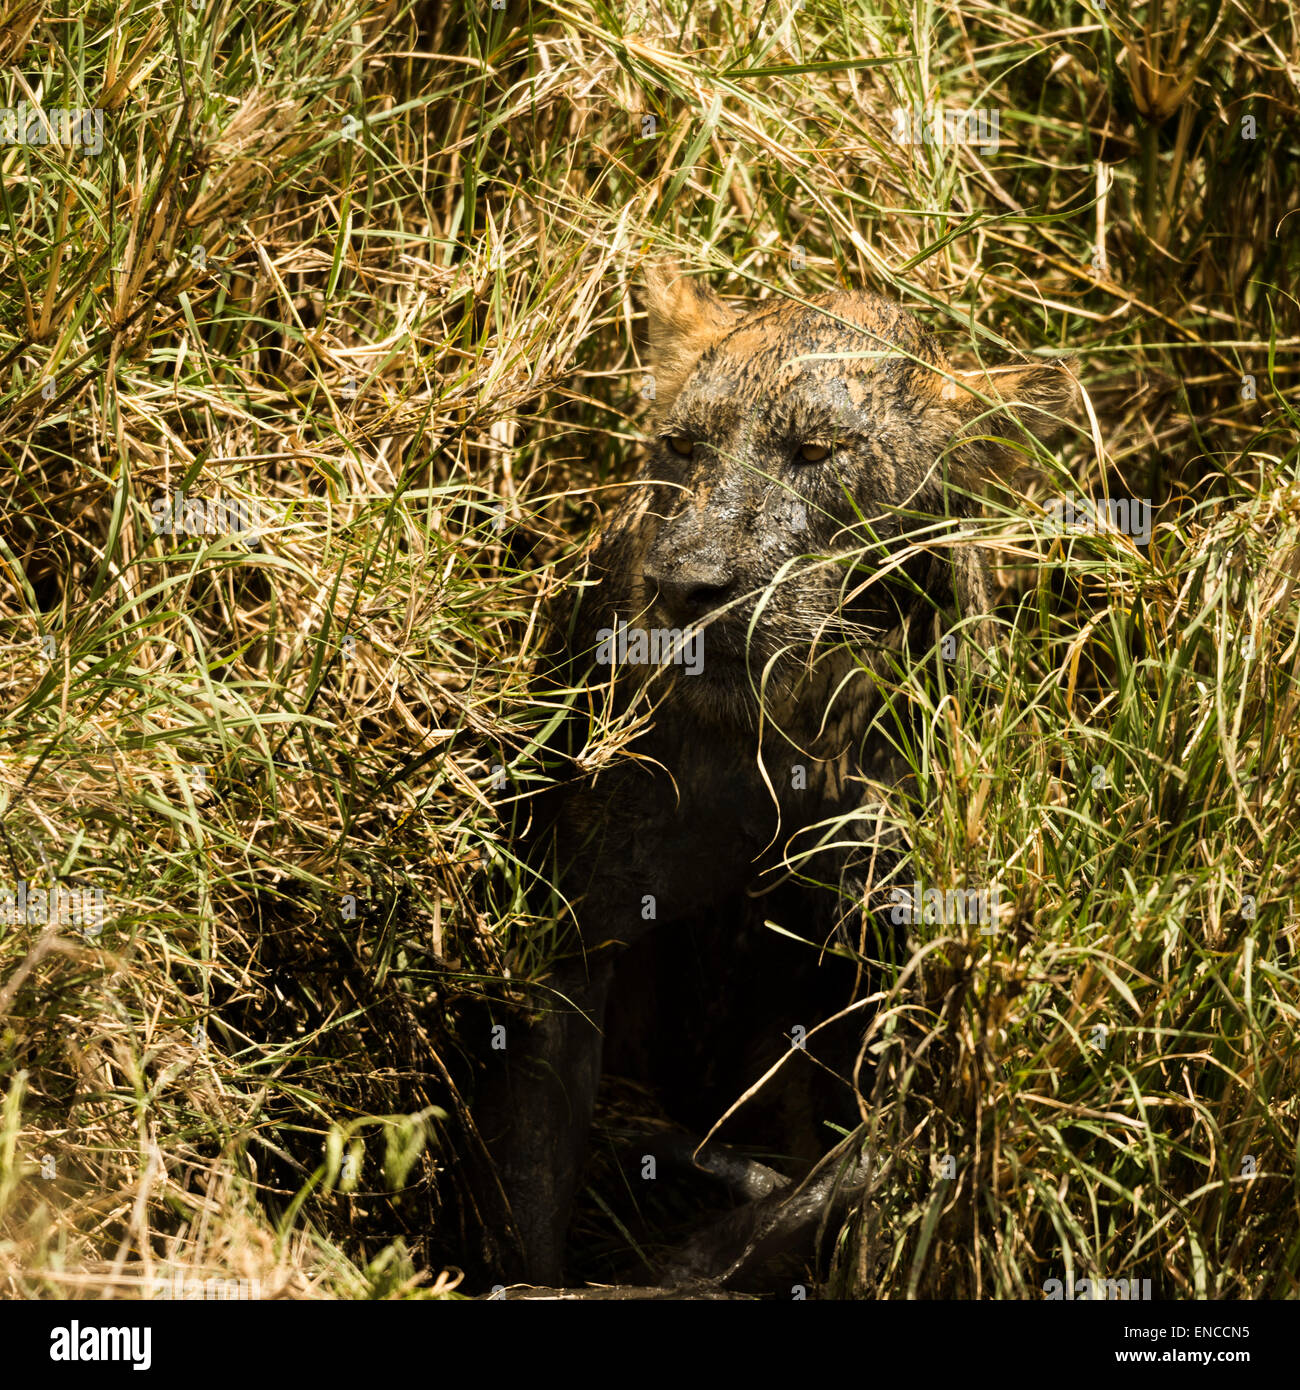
372,269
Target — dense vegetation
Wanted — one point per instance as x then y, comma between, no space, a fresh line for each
370,271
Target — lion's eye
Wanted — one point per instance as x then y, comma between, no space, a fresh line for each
814,453
681,444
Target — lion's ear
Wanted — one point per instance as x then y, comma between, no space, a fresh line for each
685,318
1039,398
987,414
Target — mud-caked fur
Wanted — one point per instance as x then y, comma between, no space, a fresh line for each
808,470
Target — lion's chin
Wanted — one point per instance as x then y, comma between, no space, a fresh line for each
796,696
727,693
726,711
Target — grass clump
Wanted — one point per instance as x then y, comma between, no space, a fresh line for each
366,271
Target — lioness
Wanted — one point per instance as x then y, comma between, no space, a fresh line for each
795,527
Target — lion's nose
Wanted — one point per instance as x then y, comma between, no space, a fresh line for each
689,591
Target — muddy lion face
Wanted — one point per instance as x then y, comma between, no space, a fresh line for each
800,506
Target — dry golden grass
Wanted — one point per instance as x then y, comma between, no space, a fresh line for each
371,269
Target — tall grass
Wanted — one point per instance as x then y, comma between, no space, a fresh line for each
370,270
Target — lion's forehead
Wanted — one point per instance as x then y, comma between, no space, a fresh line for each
842,350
